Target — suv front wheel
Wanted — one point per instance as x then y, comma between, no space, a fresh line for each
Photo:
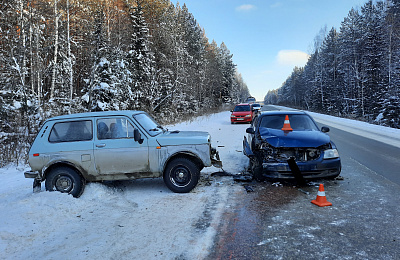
181,175
65,180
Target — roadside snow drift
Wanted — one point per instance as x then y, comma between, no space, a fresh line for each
140,219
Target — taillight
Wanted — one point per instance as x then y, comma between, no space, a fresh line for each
35,155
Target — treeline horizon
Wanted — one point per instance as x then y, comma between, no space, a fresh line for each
353,72
69,56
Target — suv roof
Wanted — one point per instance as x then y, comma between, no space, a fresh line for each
96,114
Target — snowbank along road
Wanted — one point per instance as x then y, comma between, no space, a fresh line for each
139,219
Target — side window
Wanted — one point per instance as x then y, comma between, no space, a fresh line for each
114,128
71,131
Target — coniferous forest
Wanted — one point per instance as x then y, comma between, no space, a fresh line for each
69,56
353,72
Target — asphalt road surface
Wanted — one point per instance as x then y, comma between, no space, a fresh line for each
277,220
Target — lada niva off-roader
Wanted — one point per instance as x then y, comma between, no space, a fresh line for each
71,150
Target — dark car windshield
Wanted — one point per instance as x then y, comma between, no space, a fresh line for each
297,122
242,108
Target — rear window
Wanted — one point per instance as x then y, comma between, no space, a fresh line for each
71,131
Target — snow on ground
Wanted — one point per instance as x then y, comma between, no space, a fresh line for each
383,134
139,219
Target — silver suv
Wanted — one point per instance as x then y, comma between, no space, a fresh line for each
71,150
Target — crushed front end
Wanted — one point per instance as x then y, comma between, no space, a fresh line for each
319,162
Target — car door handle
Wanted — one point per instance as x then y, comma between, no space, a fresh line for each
100,145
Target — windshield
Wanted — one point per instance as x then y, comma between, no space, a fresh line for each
242,108
148,123
297,122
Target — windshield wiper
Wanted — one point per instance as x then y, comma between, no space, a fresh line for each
159,127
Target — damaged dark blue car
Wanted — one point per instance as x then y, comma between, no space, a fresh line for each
290,145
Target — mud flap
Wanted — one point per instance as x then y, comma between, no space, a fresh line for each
37,185
296,171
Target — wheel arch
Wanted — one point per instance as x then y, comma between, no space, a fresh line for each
190,156
64,164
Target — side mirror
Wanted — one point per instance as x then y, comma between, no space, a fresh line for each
250,130
325,129
137,136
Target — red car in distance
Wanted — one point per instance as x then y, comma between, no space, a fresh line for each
242,113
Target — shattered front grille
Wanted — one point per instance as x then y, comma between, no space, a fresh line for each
283,154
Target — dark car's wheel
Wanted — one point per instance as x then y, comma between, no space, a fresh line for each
65,180
181,175
256,169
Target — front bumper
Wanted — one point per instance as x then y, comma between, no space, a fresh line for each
241,119
309,170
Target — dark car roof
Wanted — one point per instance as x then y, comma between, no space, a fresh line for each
282,112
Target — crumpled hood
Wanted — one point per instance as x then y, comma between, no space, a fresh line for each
183,137
279,138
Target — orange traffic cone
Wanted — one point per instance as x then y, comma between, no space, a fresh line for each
321,199
286,124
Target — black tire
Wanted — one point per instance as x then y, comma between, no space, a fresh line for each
256,169
65,180
181,175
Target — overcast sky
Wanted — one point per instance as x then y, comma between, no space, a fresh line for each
268,38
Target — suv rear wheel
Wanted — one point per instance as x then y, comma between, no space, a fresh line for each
181,175
65,180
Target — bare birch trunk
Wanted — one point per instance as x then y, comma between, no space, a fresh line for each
53,80
71,75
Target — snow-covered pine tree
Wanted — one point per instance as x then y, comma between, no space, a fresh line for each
163,49
228,73
100,94
390,111
329,73
372,45
349,62
141,61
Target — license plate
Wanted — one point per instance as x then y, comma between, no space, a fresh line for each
240,119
